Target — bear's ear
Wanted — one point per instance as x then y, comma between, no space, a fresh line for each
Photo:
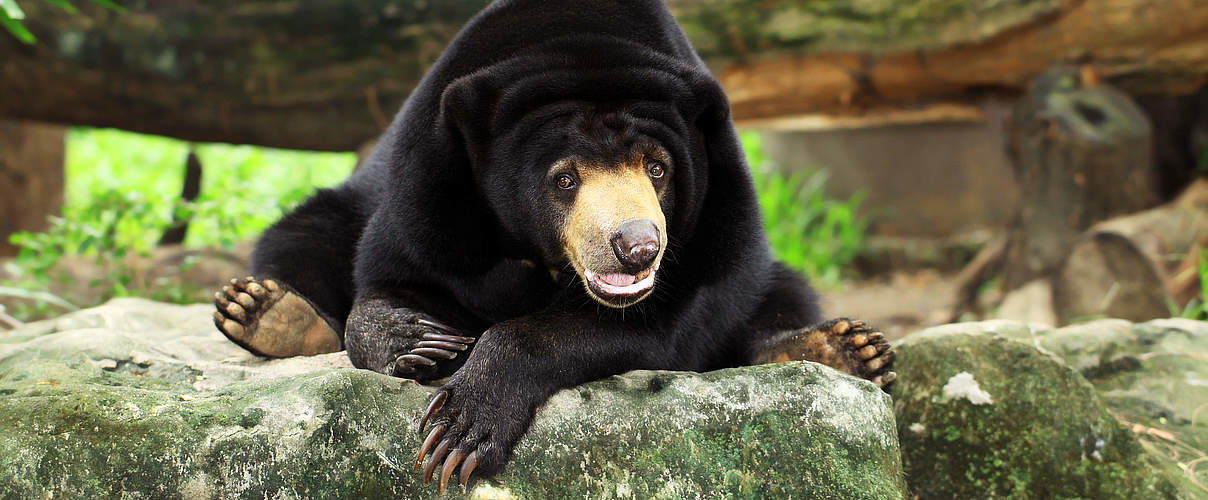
465,108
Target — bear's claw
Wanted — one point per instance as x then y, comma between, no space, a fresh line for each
423,356
868,349
467,436
844,344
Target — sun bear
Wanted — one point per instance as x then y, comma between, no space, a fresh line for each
562,198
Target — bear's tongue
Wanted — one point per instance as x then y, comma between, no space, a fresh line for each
618,279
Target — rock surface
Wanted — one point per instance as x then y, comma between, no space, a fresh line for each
139,399
1002,409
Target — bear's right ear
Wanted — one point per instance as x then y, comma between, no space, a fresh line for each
465,109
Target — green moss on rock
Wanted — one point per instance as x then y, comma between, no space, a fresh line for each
982,415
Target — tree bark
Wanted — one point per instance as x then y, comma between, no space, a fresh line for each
190,190
31,177
1082,154
329,75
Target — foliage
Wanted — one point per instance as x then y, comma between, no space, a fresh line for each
122,192
11,16
1198,307
244,189
808,231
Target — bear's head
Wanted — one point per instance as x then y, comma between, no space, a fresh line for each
605,195
595,158
588,189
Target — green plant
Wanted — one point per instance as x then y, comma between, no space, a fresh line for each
244,189
1198,307
808,231
122,192
11,16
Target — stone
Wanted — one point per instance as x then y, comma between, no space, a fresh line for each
146,400
1001,409
1153,376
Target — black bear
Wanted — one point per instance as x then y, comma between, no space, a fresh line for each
562,198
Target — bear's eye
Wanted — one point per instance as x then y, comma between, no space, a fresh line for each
565,181
655,169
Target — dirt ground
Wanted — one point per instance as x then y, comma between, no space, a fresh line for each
901,304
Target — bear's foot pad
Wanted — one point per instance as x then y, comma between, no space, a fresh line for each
843,344
269,320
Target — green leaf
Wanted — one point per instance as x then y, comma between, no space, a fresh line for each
13,10
1204,277
15,28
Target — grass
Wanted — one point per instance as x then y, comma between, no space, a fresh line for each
122,190
808,231
1198,307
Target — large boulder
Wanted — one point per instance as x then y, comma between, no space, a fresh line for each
139,399
1000,409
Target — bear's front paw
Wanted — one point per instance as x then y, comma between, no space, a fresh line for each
435,342
468,428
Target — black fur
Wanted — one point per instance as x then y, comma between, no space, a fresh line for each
449,219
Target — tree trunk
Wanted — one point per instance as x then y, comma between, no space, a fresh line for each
1082,154
31,178
190,190
329,75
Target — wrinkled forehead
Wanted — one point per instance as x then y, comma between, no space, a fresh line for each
602,132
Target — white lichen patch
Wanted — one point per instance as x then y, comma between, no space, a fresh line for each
488,492
962,385
198,487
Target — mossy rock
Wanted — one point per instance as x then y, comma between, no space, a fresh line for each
1153,376
985,411
139,399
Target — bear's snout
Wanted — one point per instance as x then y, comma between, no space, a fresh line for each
636,245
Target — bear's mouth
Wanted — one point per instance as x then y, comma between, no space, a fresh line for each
620,289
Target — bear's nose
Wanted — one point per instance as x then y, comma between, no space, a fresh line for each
636,244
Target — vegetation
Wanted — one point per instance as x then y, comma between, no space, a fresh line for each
11,16
1198,307
122,192
807,230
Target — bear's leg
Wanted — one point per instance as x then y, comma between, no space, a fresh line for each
303,289
843,344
